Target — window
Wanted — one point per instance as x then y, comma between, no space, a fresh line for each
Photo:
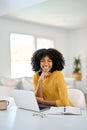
22,47
44,43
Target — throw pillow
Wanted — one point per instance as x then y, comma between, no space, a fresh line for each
27,85
5,81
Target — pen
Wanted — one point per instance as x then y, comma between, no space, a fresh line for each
64,109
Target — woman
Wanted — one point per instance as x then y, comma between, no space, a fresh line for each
49,85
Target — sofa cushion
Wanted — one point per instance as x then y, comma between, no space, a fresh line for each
5,81
70,82
5,91
27,85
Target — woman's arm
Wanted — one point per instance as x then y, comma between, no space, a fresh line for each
46,102
38,92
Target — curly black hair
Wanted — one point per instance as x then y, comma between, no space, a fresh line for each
56,57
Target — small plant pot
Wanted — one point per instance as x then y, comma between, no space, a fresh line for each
77,76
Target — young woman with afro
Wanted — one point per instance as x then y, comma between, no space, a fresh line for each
48,80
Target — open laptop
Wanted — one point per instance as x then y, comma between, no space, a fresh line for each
26,100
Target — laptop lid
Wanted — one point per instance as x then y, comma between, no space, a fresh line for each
25,99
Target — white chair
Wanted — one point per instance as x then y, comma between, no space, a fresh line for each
77,97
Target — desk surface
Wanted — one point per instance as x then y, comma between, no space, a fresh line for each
19,119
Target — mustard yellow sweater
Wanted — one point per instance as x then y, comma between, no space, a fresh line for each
54,88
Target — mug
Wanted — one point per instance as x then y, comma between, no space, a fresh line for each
4,104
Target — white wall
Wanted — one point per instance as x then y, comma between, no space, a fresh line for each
78,46
60,37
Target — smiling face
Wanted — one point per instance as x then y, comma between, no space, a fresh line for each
46,64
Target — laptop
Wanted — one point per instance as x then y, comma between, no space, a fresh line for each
25,99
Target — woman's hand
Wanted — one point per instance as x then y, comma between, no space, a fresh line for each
40,100
44,75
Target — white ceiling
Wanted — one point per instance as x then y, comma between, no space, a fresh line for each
69,14
10,6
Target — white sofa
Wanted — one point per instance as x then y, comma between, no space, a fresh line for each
7,84
70,82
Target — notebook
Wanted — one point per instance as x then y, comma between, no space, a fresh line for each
26,100
64,110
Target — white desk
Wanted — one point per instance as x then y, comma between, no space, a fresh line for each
19,119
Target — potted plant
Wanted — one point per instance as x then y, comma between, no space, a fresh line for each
77,68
